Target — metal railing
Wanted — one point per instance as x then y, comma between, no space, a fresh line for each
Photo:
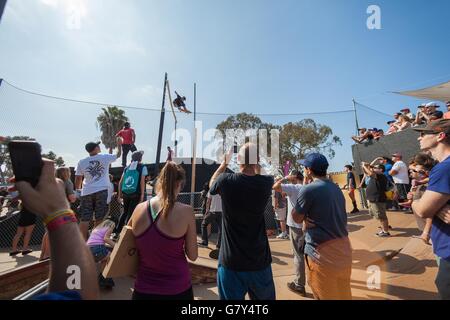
8,226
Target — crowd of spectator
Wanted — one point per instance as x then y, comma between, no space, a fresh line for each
404,120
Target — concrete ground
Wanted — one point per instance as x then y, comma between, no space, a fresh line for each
407,266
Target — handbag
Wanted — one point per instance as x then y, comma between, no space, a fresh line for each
124,258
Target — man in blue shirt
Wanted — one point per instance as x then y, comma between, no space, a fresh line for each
321,205
435,202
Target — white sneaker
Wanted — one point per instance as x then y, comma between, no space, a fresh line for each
283,236
280,236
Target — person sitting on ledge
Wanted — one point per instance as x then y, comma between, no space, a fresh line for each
364,135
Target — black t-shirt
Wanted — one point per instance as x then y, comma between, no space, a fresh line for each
245,246
376,189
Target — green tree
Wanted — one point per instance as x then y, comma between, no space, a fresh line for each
305,136
296,138
59,161
111,121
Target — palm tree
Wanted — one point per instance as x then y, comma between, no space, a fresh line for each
111,121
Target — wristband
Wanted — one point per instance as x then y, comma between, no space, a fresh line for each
60,221
59,213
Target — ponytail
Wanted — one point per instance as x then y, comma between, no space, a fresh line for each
170,175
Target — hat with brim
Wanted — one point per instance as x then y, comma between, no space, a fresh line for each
438,126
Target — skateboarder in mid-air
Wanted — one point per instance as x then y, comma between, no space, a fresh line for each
179,103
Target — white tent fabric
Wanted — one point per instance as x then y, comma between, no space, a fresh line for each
440,92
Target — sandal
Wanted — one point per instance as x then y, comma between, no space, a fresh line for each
14,253
26,252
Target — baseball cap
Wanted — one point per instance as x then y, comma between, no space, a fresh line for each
438,114
438,126
315,161
91,146
432,104
423,105
391,122
405,110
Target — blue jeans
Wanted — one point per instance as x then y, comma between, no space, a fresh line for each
234,285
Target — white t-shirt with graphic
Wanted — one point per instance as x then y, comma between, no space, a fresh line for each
402,175
95,171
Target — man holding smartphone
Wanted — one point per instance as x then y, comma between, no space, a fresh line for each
94,187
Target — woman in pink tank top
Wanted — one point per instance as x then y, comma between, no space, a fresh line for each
165,234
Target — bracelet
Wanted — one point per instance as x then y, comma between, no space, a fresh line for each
60,221
57,214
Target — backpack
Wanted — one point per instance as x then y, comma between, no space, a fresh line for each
131,181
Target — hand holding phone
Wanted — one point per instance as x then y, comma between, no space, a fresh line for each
26,161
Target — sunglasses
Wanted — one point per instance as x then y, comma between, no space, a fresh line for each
417,171
425,133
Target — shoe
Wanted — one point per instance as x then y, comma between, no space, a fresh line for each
282,235
203,244
14,253
383,234
297,289
26,252
390,228
104,283
356,210
286,237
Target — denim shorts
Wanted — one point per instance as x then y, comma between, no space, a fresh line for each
99,252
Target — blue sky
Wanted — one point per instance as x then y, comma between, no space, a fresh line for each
257,56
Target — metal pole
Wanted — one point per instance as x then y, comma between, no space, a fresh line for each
161,129
2,7
194,156
356,117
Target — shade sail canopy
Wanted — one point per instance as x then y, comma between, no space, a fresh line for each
439,92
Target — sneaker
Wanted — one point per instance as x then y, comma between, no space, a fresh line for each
390,228
203,244
104,283
282,235
297,289
383,234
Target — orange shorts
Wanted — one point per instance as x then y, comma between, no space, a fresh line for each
328,282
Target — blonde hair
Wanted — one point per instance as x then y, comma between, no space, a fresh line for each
170,175
106,224
63,173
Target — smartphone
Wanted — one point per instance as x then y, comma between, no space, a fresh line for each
26,160
235,149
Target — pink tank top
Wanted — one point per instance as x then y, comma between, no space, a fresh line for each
97,237
163,268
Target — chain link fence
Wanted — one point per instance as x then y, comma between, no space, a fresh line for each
8,226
